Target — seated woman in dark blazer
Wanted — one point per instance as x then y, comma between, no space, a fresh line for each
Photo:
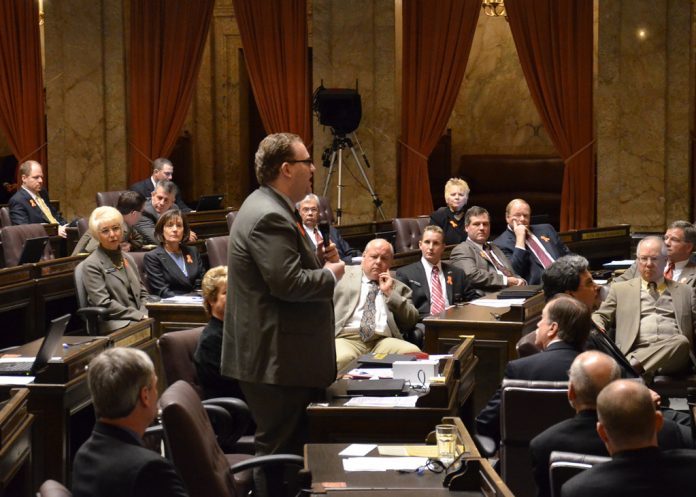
451,217
209,349
173,268
110,276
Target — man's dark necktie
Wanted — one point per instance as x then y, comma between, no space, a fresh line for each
538,251
367,323
494,260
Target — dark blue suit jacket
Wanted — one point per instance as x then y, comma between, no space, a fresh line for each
23,212
551,364
113,463
414,277
524,262
145,188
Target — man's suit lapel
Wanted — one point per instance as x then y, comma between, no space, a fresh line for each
449,282
688,274
422,278
35,209
631,315
293,220
676,292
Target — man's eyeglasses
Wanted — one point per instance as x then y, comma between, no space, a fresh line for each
308,161
646,259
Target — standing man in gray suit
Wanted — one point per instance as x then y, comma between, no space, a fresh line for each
278,334
485,265
653,316
680,240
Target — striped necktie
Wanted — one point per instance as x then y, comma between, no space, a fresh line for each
437,301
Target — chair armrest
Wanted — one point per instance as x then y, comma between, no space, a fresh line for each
91,316
415,335
230,418
486,445
272,460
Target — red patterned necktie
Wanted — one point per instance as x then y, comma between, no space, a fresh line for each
318,237
437,301
669,274
538,251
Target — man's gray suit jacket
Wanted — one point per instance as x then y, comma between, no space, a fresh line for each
123,295
279,316
621,309
480,272
402,314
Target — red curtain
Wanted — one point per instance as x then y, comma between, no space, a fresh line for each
554,41
274,37
22,118
437,37
167,39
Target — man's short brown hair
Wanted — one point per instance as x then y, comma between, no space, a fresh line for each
272,152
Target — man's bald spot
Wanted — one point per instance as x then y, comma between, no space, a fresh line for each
590,372
516,201
379,243
626,410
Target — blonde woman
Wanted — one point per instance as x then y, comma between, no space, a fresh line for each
451,217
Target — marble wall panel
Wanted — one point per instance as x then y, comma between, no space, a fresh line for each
356,41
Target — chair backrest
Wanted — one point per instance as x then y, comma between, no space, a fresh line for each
325,212
80,291
408,233
5,219
230,218
193,447
527,408
564,465
13,238
108,198
82,226
216,247
139,259
176,350
51,488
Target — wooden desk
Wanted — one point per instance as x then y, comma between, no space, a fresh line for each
496,332
337,423
15,445
325,465
173,317
60,401
207,224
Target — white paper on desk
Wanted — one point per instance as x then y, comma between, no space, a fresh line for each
371,372
437,357
406,401
357,450
622,263
383,463
498,303
16,359
16,380
183,299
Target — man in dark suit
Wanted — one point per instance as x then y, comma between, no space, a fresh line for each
422,276
278,332
680,240
31,203
159,202
162,169
530,248
628,425
485,265
308,208
113,461
561,334
590,372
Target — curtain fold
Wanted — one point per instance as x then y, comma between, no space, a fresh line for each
22,117
167,40
274,37
437,38
554,40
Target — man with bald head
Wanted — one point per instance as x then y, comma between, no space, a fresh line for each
653,316
628,425
590,372
372,308
31,204
530,247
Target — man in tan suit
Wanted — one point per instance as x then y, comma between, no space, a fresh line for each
680,240
485,264
371,308
653,315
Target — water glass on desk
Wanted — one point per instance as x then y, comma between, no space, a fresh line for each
446,436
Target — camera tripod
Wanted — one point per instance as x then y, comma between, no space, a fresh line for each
341,142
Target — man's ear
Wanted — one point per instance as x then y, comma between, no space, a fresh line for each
659,421
553,330
602,432
571,393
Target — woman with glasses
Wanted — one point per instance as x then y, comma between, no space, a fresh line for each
173,268
110,276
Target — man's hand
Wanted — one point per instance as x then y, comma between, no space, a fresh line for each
655,398
62,231
386,283
521,233
192,236
125,246
512,281
337,268
329,253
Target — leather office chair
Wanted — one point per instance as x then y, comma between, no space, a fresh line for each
217,250
423,221
139,259
82,225
108,198
51,488
230,218
325,212
527,408
564,465
13,238
5,219
673,385
408,233
91,315
204,468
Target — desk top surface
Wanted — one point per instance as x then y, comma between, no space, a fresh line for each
476,313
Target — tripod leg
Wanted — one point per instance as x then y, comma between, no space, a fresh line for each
375,198
339,188
327,180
